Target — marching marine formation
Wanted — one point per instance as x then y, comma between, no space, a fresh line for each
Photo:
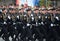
30,25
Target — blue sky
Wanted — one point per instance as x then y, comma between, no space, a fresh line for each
30,2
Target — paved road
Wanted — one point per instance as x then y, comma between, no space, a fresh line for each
10,38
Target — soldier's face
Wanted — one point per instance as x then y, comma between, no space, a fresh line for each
29,12
58,12
40,11
44,11
54,12
22,10
5,11
10,11
49,11
19,11
37,11
13,11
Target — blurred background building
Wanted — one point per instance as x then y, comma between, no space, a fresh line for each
7,2
55,3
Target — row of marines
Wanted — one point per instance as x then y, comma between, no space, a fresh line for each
30,25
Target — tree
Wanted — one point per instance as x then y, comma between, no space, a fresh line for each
45,2
42,2
49,2
0,0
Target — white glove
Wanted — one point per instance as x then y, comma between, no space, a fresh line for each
18,17
52,25
31,14
57,18
42,23
45,16
32,18
28,24
4,22
9,17
39,16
